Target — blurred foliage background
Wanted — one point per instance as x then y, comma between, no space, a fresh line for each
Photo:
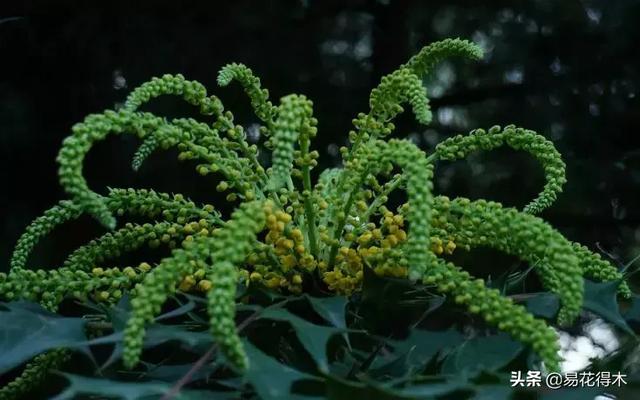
567,69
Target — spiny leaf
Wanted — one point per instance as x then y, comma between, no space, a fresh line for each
156,334
632,315
339,389
173,373
313,337
421,345
434,386
331,309
601,299
482,353
27,329
271,379
80,385
543,305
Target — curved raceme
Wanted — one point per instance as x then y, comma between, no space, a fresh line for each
287,231
294,119
259,97
460,146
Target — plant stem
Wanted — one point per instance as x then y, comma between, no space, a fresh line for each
338,231
306,193
186,378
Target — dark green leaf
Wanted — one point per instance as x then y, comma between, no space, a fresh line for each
434,386
493,392
632,315
488,353
27,329
183,309
421,345
172,373
601,299
390,306
340,389
271,379
156,334
383,368
313,337
80,385
544,305
331,309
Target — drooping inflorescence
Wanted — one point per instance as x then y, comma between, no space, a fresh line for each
332,230
294,119
543,150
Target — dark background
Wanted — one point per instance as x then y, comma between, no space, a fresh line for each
567,69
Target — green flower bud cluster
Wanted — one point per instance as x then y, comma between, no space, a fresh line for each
426,59
228,245
378,157
251,84
543,150
33,374
147,148
152,204
152,293
74,149
50,287
229,156
334,228
130,237
496,309
40,227
193,92
367,128
221,307
141,202
405,85
294,117
484,223
396,88
597,269
195,140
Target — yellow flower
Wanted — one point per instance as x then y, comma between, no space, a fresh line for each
129,272
103,295
451,246
398,220
272,283
283,216
365,238
297,235
288,262
255,276
187,283
145,267
205,285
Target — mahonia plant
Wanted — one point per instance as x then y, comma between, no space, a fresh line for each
286,229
